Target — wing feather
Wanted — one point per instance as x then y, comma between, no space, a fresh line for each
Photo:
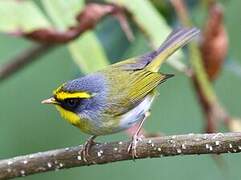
132,88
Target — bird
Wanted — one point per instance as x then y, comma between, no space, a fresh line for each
118,96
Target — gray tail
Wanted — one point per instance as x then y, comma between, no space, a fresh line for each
177,39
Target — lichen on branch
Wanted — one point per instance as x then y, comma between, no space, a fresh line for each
103,153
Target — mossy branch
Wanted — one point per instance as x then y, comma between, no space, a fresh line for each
189,144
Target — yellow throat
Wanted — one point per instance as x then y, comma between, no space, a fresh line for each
69,116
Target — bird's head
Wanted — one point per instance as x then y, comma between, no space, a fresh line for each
77,98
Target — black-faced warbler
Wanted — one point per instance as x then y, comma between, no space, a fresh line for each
119,96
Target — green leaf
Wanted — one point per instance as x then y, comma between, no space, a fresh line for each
92,56
24,16
62,12
153,24
86,50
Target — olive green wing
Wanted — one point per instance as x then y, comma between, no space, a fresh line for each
128,88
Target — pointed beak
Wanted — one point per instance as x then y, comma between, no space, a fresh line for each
49,101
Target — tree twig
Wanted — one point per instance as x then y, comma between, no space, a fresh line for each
208,99
189,144
87,19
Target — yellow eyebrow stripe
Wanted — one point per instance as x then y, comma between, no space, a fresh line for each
66,95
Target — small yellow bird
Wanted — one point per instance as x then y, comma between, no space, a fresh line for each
119,96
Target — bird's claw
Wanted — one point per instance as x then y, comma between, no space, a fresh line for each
132,146
86,148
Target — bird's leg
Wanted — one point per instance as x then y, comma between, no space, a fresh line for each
86,147
135,138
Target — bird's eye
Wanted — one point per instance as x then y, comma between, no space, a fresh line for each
72,102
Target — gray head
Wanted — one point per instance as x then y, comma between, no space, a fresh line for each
82,95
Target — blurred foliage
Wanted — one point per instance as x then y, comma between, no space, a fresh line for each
82,48
15,16
151,22
27,126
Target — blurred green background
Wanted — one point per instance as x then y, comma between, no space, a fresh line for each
27,126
